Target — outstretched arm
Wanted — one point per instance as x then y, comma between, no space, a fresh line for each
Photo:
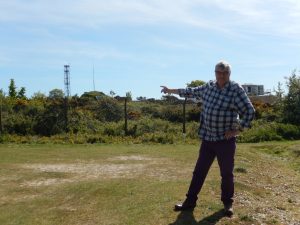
187,92
166,90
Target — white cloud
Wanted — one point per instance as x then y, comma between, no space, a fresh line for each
275,17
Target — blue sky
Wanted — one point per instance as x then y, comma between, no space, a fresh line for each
139,45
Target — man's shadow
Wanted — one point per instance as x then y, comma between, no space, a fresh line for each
188,218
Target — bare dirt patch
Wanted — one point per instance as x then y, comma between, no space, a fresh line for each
116,167
83,171
132,158
45,182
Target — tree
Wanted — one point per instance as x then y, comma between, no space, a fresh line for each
112,93
21,93
279,92
291,103
195,83
38,96
12,89
129,95
278,104
56,94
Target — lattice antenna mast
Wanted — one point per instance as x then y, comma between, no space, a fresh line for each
67,81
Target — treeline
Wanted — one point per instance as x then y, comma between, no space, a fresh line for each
93,117
98,118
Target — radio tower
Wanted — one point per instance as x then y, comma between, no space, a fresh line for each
67,81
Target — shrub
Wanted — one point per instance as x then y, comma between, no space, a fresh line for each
162,138
82,121
18,124
150,111
109,110
133,115
192,130
52,120
263,131
288,131
193,114
172,114
114,129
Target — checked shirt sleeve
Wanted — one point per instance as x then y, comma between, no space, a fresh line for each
196,92
245,108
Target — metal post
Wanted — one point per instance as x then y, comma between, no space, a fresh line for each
183,125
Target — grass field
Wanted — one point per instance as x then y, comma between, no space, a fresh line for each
139,184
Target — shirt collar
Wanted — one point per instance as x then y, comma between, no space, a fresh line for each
224,88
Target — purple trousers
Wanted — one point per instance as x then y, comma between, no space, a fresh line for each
224,151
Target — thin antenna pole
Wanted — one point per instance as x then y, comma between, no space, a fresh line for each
125,116
94,78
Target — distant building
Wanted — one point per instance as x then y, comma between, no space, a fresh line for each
254,89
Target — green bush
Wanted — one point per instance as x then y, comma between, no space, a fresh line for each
113,129
151,125
82,121
272,131
159,137
192,130
288,131
193,114
18,123
172,114
151,111
52,120
109,110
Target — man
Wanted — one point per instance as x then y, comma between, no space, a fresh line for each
226,110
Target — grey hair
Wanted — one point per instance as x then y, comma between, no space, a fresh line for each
223,66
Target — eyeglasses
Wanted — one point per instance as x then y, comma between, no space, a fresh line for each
221,73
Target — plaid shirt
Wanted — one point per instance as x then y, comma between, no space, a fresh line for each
221,109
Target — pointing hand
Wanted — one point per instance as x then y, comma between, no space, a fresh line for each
164,89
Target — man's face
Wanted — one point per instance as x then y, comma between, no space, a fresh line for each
222,77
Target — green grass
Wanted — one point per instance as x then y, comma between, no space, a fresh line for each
139,184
